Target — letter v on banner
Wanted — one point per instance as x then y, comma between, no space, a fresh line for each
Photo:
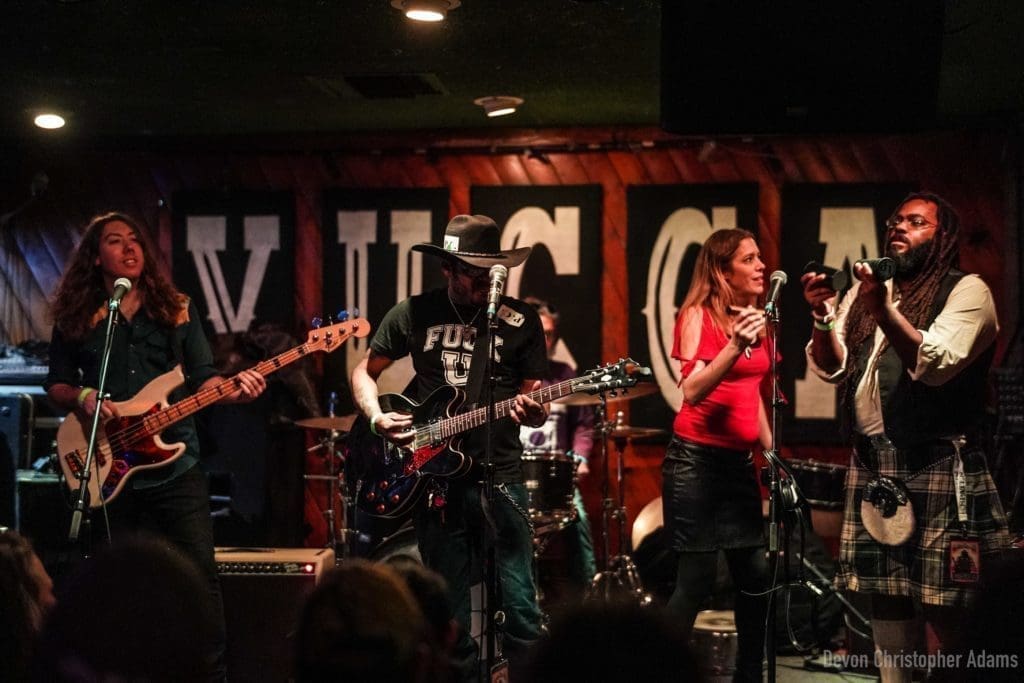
206,236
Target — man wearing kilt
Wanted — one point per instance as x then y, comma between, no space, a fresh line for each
910,356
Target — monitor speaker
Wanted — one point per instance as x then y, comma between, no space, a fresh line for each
264,590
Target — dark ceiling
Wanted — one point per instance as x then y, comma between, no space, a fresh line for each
172,68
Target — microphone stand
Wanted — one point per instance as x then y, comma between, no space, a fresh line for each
493,617
774,491
81,505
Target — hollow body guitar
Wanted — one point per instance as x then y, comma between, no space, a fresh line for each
393,478
132,441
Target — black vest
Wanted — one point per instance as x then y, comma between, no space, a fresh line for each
915,413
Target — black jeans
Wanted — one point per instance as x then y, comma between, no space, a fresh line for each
178,511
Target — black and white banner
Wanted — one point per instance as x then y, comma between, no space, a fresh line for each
563,225
234,255
834,225
369,265
667,226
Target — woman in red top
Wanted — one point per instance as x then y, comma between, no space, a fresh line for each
710,494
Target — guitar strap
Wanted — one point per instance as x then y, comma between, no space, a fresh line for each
478,364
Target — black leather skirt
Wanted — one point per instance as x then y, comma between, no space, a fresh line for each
710,497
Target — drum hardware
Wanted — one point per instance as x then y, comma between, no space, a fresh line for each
550,480
341,424
336,428
715,642
619,576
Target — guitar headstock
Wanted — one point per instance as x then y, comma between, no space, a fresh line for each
330,337
623,374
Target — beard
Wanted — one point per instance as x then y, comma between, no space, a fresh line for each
910,262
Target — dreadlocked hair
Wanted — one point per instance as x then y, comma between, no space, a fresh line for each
81,291
916,296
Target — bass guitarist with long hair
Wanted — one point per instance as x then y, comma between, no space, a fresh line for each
159,328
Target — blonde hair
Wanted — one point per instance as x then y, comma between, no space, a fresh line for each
708,287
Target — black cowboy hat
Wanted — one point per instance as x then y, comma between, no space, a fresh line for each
475,240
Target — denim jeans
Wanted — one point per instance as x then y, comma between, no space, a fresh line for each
178,511
580,546
451,543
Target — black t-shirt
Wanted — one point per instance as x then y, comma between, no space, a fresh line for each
441,341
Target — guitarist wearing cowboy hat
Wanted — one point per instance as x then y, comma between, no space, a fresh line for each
439,329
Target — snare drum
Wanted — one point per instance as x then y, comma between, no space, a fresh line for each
550,478
822,483
715,642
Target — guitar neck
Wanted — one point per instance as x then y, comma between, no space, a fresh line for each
162,419
474,418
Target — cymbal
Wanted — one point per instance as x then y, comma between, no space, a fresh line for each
584,399
621,431
341,423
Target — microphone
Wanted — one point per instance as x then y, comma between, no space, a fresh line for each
122,286
778,279
883,268
498,276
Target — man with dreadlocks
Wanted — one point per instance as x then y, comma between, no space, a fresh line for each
910,357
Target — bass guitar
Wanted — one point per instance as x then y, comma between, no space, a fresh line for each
394,477
131,442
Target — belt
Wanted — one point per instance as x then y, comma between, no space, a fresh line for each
912,458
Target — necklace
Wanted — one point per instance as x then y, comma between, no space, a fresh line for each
467,328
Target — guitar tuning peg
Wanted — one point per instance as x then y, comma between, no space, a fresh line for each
355,312
342,315
316,323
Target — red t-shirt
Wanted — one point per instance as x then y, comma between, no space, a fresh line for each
727,417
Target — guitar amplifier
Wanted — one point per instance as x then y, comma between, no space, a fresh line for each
264,590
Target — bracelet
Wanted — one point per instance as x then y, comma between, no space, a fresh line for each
823,326
373,422
829,317
82,395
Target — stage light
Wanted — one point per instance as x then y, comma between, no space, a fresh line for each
49,121
425,10
498,105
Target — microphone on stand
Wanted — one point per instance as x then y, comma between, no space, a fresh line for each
498,277
882,268
122,286
778,279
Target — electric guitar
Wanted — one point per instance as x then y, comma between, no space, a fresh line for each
394,477
132,441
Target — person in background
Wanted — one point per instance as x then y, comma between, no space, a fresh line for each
362,623
568,430
711,498
440,330
911,356
26,597
159,329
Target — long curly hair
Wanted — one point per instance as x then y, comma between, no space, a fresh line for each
916,295
708,286
82,291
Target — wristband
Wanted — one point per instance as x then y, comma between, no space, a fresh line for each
82,395
373,422
823,326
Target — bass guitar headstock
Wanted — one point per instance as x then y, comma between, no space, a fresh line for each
330,337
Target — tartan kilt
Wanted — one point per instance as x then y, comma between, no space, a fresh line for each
919,568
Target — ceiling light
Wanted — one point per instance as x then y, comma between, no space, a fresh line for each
49,121
498,105
425,10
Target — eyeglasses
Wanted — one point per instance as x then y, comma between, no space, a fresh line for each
915,221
